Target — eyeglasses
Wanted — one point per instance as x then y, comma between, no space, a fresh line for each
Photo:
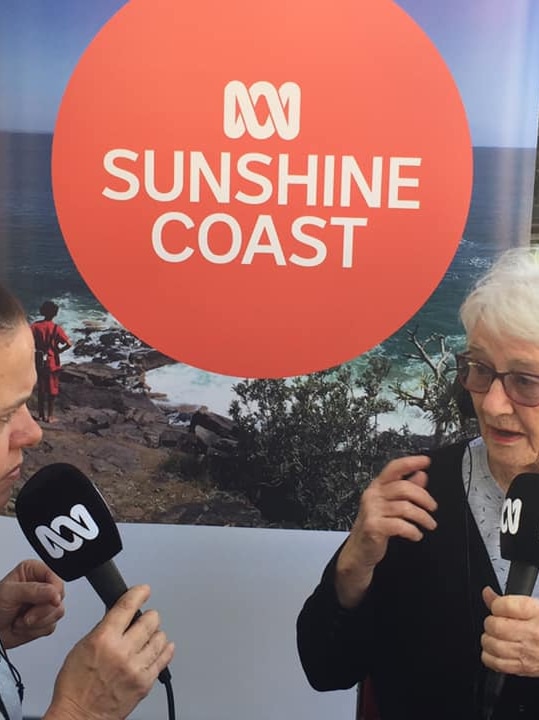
475,376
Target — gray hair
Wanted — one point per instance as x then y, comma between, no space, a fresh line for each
11,311
506,298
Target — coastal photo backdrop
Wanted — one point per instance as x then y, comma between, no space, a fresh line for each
170,441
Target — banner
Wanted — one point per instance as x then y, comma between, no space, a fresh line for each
258,224
212,220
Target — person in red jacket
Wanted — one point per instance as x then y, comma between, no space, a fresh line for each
50,340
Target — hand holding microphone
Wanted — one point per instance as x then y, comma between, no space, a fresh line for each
70,526
115,666
510,639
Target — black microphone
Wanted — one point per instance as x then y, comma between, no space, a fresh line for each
68,523
519,543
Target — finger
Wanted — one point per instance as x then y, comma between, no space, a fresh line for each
397,527
151,650
503,665
121,615
29,593
419,478
37,571
162,659
38,617
489,596
507,629
57,582
399,490
143,629
28,634
401,467
518,607
410,512
501,649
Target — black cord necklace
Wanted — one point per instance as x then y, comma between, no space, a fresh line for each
13,670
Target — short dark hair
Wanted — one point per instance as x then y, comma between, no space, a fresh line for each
11,311
48,309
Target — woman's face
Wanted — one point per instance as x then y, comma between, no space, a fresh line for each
17,427
510,431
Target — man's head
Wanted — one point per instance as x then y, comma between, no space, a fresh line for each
17,379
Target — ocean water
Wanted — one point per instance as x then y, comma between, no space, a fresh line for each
35,263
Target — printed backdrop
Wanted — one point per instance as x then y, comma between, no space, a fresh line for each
227,201
245,213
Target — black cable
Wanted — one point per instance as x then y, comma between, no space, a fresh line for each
166,680
13,670
473,621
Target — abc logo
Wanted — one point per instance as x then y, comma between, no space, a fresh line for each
238,96
511,516
80,525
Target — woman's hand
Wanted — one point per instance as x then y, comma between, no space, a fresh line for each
396,503
511,639
114,667
31,603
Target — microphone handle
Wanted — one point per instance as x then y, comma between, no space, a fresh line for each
493,689
521,578
520,581
110,585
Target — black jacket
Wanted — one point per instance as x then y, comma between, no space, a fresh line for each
417,631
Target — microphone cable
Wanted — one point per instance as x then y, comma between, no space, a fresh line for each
471,608
165,678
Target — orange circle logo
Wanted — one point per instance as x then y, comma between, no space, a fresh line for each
262,191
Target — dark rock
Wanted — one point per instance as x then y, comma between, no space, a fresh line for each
220,509
217,424
149,359
180,439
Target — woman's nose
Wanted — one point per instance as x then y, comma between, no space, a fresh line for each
25,431
496,401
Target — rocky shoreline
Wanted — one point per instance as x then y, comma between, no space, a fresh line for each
153,462
147,458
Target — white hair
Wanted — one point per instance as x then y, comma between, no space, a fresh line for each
506,298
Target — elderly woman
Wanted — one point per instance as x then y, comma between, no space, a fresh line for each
413,598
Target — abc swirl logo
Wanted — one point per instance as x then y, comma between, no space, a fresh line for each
79,523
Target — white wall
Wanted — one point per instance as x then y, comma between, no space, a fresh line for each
229,597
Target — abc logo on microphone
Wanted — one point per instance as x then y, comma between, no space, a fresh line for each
519,522
80,526
67,521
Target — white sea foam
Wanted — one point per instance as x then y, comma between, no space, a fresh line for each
183,384
186,385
